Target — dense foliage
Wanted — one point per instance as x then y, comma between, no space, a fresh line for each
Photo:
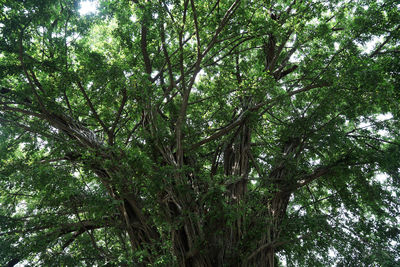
200,133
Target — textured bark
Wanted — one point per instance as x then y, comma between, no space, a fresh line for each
220,247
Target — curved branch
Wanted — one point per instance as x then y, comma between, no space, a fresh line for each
95,114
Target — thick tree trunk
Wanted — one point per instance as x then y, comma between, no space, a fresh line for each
203,241
277,204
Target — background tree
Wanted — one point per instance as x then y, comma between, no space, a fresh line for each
200,133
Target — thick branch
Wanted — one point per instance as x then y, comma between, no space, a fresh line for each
168,60
143,44
196,26
319,172
224,21
267,104
222,131
21,59
118,117
379,48
95,114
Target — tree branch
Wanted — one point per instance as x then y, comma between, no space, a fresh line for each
222,131
379,48
196,26
143,45
21,59
118,116
221,26
97,117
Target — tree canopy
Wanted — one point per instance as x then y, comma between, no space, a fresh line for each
200,133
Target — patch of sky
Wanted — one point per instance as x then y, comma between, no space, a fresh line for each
88,7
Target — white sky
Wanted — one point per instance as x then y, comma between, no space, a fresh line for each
88,7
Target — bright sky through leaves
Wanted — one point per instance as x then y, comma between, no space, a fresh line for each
88,7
